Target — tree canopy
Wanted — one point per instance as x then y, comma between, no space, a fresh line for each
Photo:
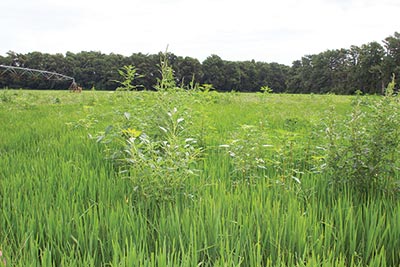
367,68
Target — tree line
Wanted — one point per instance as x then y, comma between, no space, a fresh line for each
366,68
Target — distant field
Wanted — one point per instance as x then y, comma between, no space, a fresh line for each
181,179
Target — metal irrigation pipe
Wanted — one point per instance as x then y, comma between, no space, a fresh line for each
49,75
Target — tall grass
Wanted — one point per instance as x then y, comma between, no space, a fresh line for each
63,203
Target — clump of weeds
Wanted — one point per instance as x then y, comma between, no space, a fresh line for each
362,152
155,152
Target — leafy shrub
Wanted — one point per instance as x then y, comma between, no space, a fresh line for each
363,151
159,169
159,158
167,81
266,89
130,75
257,153
158,166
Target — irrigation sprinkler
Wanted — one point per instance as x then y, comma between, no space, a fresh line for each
49,75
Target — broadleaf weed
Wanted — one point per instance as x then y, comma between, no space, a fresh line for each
155,151
362,151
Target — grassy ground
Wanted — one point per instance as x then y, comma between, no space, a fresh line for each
257,196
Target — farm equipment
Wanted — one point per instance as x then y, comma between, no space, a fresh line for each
48,75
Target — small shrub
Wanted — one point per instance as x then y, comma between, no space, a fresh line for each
258,154
167,81
159,158
158,167
129,74
363,151
266,89
166,165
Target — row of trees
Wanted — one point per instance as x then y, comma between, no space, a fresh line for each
343,71
101,71
368,68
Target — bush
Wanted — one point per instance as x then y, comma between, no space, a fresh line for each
154,151
363,151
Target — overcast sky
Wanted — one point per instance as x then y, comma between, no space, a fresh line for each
271,31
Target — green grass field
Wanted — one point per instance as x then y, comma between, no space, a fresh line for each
185,179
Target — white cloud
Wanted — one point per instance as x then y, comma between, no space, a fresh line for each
280,31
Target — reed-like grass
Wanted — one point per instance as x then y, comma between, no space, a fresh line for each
63,203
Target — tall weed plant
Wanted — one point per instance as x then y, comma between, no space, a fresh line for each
155,152
258,152
167,80
129,75
363,150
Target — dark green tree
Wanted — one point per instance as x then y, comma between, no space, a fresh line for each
391,61
186,69
369,68
214,73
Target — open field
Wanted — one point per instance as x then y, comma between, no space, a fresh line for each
182,179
